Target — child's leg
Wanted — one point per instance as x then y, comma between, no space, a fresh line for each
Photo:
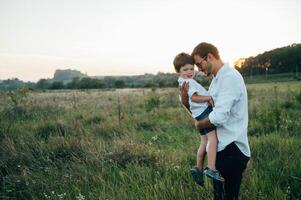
201,153
212,148
197,172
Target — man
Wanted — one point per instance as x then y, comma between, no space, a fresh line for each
229,115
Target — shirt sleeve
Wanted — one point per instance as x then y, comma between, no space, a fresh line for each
193,88
229,92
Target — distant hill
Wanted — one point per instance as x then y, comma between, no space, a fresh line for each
66,75
281,60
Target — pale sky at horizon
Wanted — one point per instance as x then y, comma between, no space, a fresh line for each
131,37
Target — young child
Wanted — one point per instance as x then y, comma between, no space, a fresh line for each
200,106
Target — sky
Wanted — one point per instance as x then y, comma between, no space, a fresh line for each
131,37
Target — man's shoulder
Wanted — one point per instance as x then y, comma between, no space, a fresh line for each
232,74
231,78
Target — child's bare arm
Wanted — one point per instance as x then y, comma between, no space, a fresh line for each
200,99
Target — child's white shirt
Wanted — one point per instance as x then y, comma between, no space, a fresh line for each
194,87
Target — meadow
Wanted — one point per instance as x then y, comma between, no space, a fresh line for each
137,144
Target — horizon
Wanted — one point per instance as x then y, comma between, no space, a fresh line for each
121,75
128,38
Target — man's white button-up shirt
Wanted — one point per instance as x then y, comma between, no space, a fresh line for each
230,112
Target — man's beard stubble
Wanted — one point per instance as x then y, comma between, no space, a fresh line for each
209,69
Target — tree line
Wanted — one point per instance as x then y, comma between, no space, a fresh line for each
142,81
160,80
281,60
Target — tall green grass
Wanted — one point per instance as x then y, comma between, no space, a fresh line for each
76,145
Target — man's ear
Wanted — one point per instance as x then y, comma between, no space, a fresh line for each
210,57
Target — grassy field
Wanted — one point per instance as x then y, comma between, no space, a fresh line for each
272,78
137,144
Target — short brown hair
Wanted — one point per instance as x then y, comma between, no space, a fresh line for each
182,59
204,48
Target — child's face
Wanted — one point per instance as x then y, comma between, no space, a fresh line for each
187,71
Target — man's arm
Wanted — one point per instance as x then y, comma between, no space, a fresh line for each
229,92
205,123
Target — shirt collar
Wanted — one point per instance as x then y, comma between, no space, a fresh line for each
180,80
222,70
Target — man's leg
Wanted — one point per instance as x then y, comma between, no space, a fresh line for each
218,190
232,187
231,163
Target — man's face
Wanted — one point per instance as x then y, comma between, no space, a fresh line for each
187,71
203,65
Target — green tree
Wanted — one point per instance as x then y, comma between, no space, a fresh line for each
56,85
43,84
119,84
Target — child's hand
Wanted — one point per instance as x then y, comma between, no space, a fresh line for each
211,102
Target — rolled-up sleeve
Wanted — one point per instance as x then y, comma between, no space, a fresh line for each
192,88
228,93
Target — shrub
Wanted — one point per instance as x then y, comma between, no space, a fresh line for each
287,105
18,96
152,102
15,113
298,97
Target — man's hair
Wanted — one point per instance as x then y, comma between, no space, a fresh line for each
204,48
182,59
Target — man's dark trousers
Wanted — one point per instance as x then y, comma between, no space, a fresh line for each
231,163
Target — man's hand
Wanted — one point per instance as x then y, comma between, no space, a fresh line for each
204,123
197,125
184,94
